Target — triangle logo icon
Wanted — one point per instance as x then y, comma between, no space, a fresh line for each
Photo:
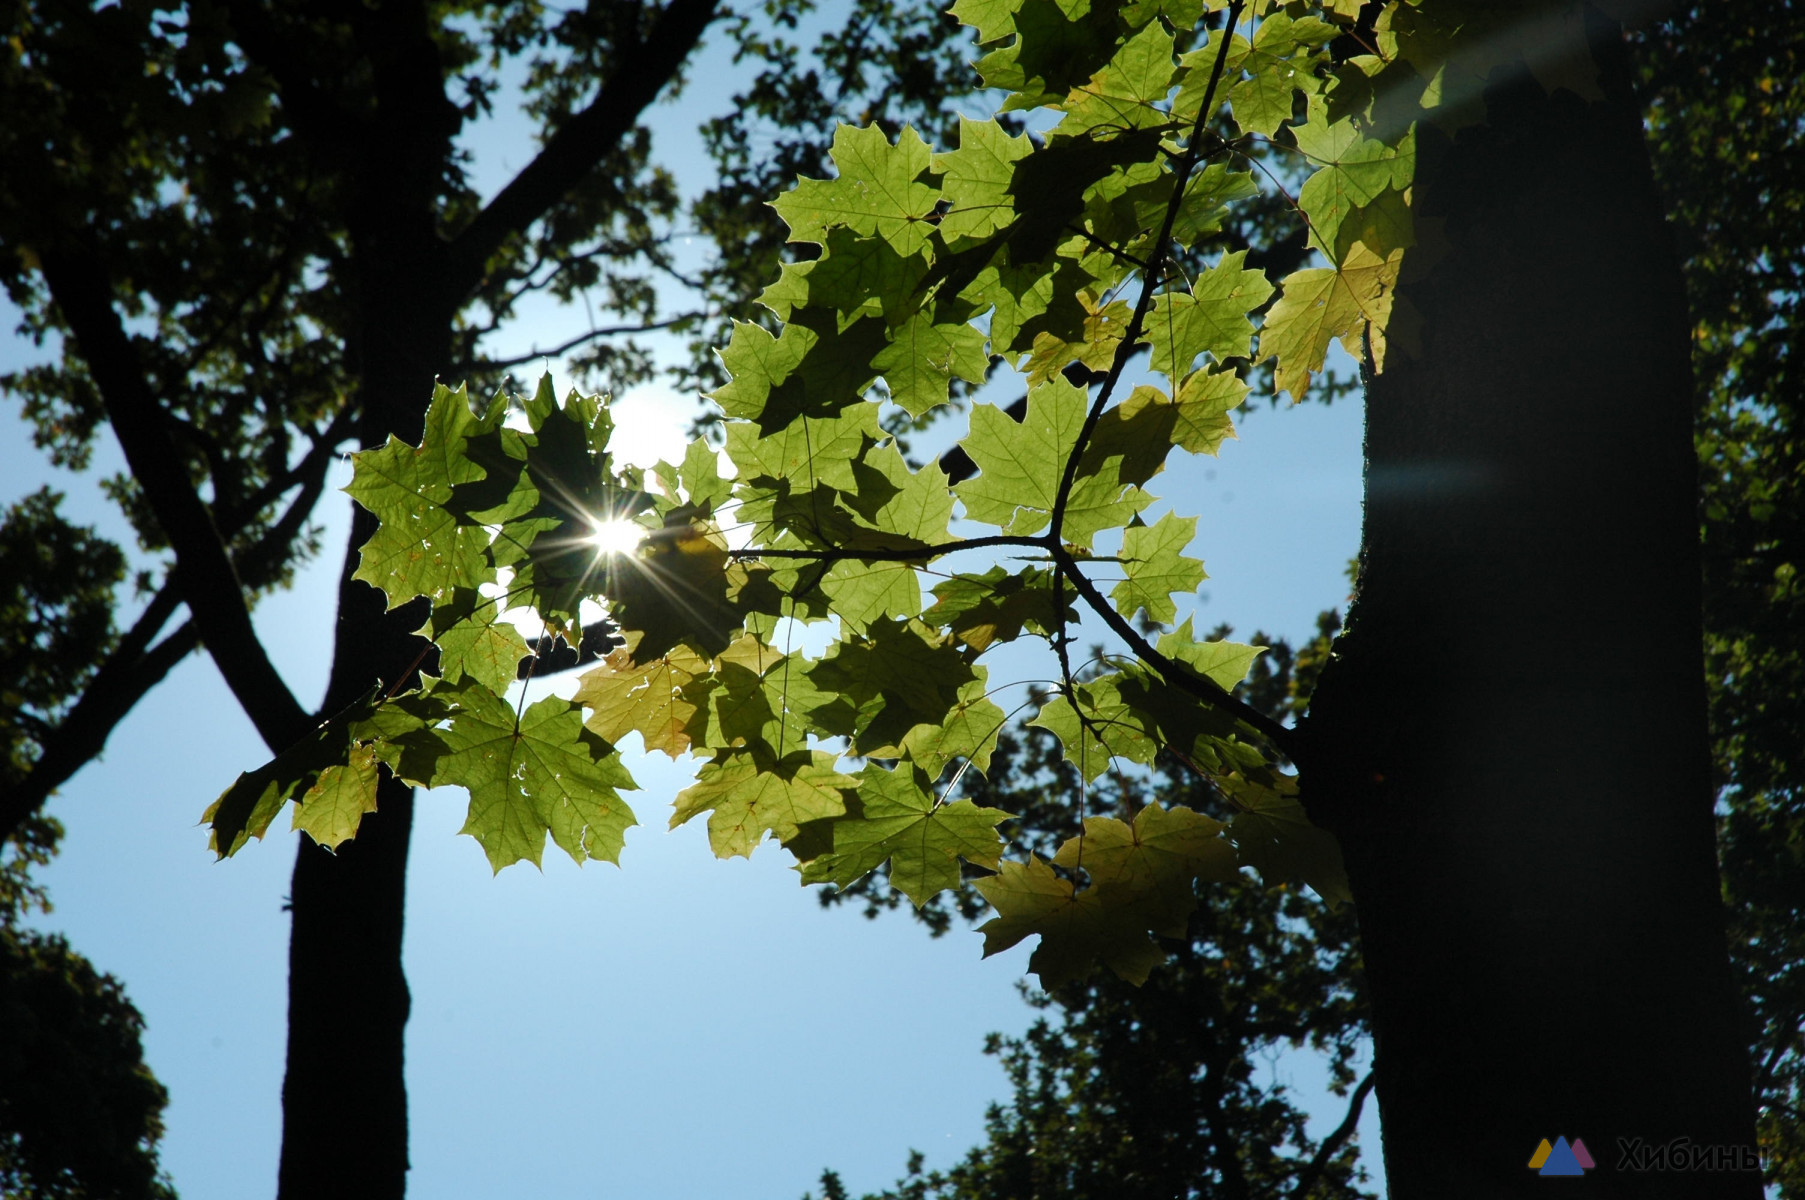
1562,1161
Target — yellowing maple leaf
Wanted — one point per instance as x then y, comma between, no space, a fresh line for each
1320,304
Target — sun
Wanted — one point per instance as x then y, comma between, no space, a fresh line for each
618,536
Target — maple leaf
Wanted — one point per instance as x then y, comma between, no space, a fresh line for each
1151,867
625,697
996,606
422,546
1126,93
748,794
1212,318
976,180
879,191
816,369
854,277
757,696
1355,171
1019,466
1223,663
245,810
1153,559
673,589
924,357
1101,726
473,640
1143,880
969,731
899,675
809,451
331,810
900,822
1077,929
544,775
1320,304
1274,836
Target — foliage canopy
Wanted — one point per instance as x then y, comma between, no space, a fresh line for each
1061,254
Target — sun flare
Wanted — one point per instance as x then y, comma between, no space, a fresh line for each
617,536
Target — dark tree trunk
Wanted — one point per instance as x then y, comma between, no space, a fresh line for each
1511,741
344,1099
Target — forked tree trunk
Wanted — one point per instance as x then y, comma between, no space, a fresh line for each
1511,741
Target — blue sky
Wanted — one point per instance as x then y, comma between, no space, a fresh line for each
679,1027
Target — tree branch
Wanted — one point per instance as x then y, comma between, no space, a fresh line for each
82,733
209,583
1283,739
499,364
583,142
908,555
1307,1178
1162,245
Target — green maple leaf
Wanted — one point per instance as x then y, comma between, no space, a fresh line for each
245,810
1198,65
879,191
968,732
334,806
1355,172
810,370
1101,498
700,477
1318,305
899,675
1110,727
1212,318
748,794
1274,836
809,451
1027,299
1050,185
912,507
1054,51
1279,64
1077,929
1200,420
997,606
422,546
900,822
1019,466
1126,93
548,775
993,19
860,593
757,696
1223,663
923,358
672,589
854,277
1153,865
1153,559
473,640
626,697
977,180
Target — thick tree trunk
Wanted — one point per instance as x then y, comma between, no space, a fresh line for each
344,1099
1511,741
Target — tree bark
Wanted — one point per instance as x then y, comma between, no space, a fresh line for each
1510,741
